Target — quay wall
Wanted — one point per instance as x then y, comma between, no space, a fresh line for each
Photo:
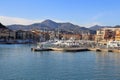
77,49
104,50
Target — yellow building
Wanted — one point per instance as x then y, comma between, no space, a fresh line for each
117,35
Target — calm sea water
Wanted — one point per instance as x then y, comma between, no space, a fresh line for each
18,62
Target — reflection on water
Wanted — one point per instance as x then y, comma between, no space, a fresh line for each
18,62
107,65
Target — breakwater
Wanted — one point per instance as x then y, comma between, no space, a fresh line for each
76,49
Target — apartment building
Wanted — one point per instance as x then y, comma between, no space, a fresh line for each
6,34
107,34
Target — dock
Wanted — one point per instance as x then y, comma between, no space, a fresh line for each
69,49
104,50
99,49
60,49
76,49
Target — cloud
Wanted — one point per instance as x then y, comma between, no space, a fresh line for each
6,20
13,20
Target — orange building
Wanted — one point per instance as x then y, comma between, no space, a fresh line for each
108,34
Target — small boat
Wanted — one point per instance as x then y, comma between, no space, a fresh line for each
40,49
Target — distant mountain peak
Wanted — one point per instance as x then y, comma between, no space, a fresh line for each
52,25
48,21
96,27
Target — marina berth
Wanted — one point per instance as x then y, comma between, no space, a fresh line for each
60,45
76,45
113,44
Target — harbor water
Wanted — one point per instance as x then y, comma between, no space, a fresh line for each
18,62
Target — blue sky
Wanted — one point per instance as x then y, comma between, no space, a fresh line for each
80,12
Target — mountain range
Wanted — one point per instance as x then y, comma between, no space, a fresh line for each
50,25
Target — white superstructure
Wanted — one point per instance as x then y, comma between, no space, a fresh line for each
113,44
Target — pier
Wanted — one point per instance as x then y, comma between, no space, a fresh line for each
69,49
104,50
60,49
76,49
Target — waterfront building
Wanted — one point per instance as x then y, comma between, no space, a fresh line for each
68,36
104,35
6,34
20,34
29,36
88,37
117,35
41,35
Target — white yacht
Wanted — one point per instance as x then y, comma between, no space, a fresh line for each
60,43
113,44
